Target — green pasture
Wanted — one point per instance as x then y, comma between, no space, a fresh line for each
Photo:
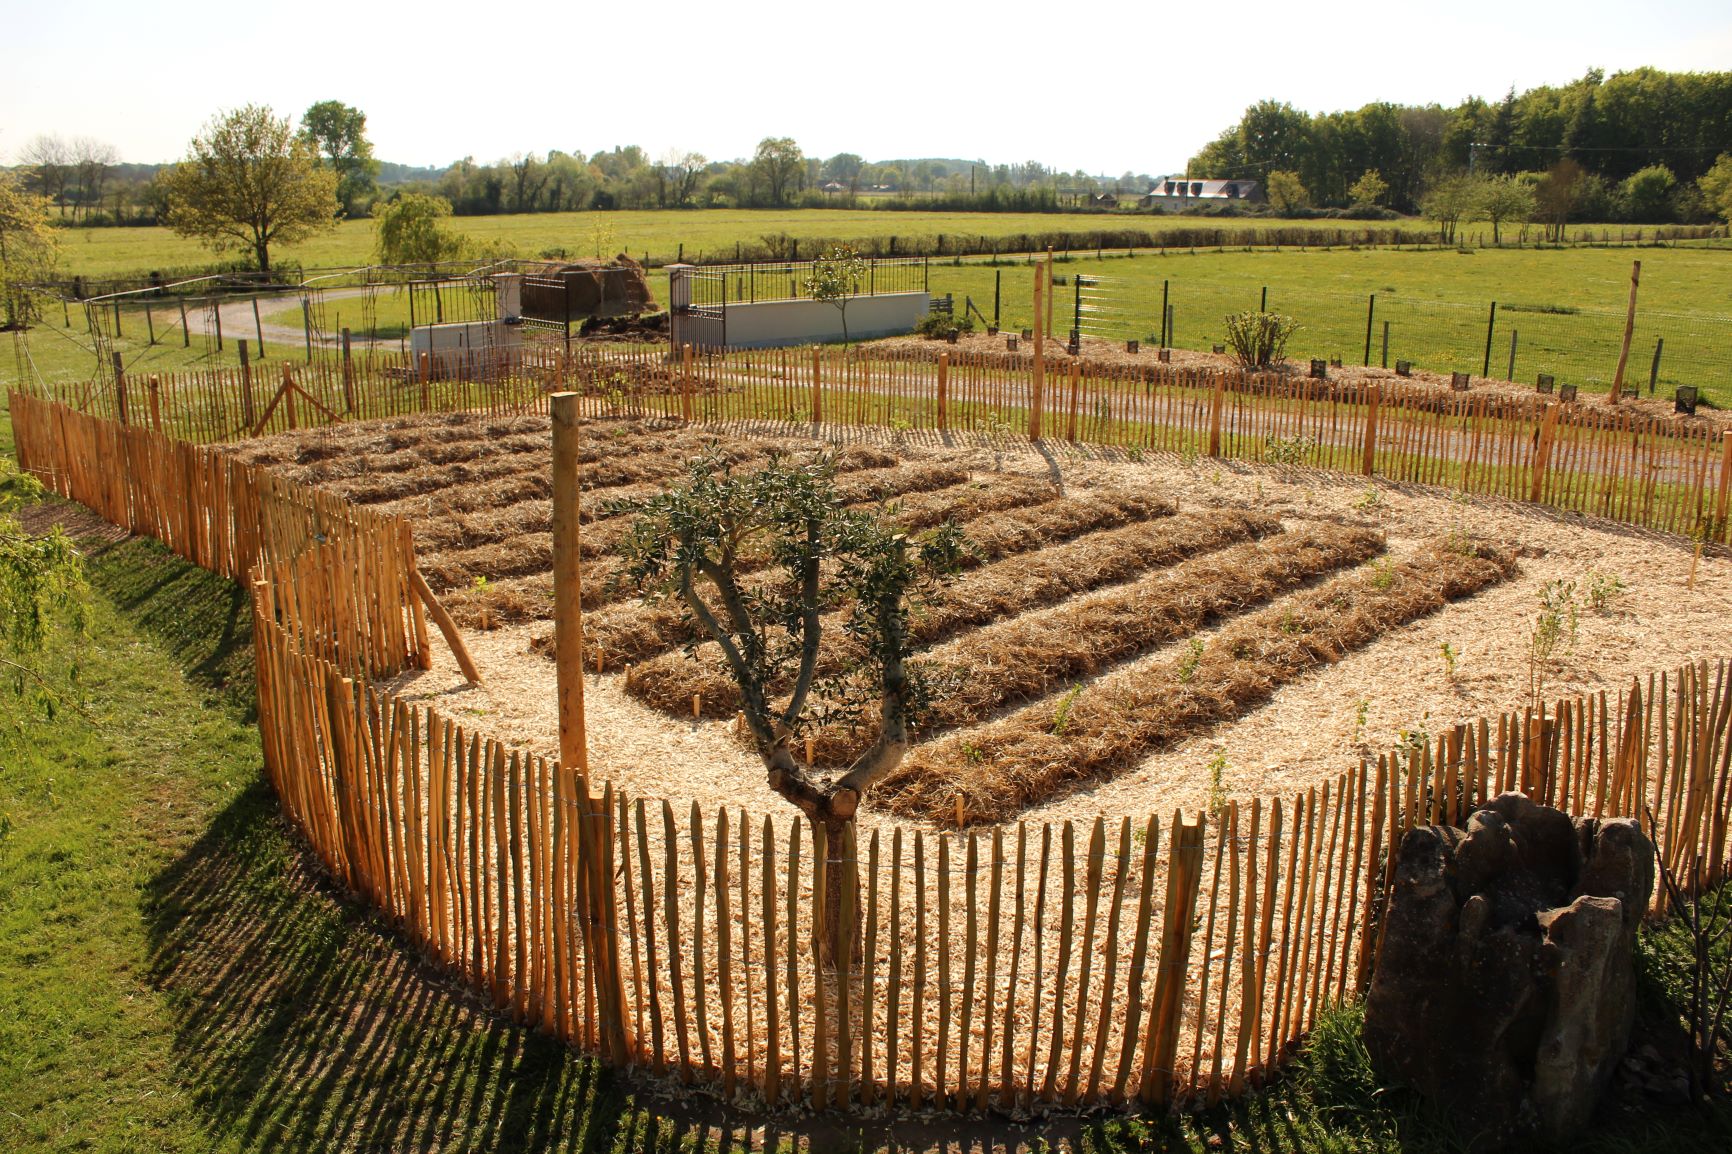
1565,308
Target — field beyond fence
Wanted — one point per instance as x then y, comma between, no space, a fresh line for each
1138,959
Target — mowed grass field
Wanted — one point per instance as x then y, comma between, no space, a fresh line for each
1565,309
108,252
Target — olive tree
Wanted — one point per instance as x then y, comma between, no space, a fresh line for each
694,544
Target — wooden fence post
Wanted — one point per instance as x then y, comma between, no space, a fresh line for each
686,383
1543,451
568,586
249,416
1037,386
119,389
944,393
1166,1012
1367,464
155,405
817,388
1629,331
1216,403
288,395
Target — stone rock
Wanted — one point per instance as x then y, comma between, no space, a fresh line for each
1505,988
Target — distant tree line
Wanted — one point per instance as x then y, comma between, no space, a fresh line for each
1631,147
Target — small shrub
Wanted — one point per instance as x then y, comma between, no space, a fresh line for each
1382,573
1061,716
1288,451
1603,589
1359,715
1334,1066
1371,501
1554,631
1188,664
1449,656
1259,339
940,327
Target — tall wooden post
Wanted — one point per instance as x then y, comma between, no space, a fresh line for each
258,329
595,881
1543,452
1037,388
185,334
1629,331
1075,389
155,405
568,585
288,394
1373,395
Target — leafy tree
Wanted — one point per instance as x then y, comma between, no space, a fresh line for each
1556,196
1449,200
251,183
1502,199
1716,186
409,229
40,576
339,132
776,165
1286,192
687,545
1369,189
27,251
680,170
836,279
1648,193
1259,339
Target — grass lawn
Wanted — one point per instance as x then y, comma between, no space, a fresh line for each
175,974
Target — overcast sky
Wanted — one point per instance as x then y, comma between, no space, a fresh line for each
1106,88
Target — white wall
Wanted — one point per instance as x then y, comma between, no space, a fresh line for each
801,322
461,348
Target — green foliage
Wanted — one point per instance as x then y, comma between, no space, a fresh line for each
250,183
836,278
1259,339
1449,200
410,229
943,325
1289,452
1369,189
41,585
1334,1066
1603,589
1371,501
687,544
1061,715
1189,662
1449,658
1360,712
339,133
1286,192
1647,193
27,252
1502,200
1554,631
1716,187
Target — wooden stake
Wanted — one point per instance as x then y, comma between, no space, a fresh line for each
568,587
1629,331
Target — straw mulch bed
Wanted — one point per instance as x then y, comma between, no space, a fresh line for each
1004,523
992,594
1000,768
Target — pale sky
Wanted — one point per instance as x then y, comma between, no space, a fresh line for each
1105,87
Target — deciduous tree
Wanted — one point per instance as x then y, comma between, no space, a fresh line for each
1501,200
409,229
1286,192
776,166
27,251
339,132
250,182
836,278
1369,189
1716,186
